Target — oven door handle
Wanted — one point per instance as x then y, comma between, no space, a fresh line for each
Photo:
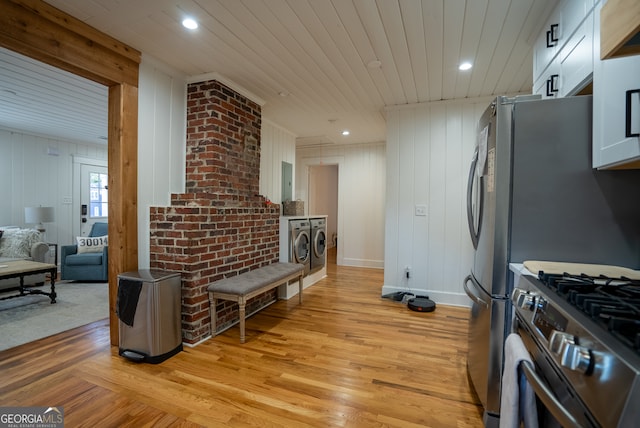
545,395
472,296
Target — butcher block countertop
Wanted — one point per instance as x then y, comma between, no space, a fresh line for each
534,266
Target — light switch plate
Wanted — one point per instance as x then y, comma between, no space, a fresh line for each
421,210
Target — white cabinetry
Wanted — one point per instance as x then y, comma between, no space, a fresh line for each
616,109
563,54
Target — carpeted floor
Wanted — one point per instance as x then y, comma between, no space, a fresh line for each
28,318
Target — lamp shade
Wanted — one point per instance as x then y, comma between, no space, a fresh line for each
37,215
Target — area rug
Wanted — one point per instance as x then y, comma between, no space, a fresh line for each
28,318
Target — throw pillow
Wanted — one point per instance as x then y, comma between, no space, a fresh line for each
17,243
91,244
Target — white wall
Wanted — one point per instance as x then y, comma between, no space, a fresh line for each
429,149
30,176
162,133
361,198
277,145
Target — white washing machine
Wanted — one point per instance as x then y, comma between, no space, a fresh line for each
300,243
318,243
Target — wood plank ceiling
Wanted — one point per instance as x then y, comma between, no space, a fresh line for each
311,61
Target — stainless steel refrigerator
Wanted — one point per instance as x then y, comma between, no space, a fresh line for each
532,195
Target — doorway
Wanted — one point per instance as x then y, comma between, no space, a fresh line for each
90,194
94,197
112,64
323,198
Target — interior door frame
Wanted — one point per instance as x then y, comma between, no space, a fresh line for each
305,164
35,29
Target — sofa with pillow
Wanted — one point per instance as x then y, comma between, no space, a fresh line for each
87,260
22,244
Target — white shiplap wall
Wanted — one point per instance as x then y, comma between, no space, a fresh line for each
36,170
277,145
162,96
429,148
361,198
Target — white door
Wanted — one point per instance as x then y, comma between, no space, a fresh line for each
94,196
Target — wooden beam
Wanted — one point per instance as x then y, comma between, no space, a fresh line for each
35,29
42,32
123,191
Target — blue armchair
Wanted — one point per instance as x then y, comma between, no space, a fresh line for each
85,266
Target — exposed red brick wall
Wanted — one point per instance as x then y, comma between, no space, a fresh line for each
220,227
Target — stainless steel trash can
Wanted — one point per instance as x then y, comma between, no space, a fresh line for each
149,315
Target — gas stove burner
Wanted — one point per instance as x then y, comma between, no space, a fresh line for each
614,303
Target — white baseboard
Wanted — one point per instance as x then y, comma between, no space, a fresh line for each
376,264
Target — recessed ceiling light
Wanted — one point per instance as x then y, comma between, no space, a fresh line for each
465,66
189,23
345,132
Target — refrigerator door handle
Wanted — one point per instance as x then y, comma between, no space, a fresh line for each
475,234
472,296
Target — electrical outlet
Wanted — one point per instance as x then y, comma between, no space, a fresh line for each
407,272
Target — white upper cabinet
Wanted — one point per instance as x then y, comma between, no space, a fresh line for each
563,54
616,109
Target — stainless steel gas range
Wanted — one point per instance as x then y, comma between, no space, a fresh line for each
583,334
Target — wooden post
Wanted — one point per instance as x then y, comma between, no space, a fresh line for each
123,190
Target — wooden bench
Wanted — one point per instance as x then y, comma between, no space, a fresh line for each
243,287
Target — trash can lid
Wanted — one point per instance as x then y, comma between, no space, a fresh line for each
148,274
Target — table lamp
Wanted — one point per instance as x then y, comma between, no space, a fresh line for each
38,216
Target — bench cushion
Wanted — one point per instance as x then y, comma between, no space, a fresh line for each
255,279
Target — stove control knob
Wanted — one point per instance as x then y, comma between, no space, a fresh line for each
524,299
572,356
527,301
559,340
577,358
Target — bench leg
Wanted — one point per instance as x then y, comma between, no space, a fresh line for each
212,311
241,312
300,289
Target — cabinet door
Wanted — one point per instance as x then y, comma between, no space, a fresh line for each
572,12
546,46
612,78
576,60
548,85
566,44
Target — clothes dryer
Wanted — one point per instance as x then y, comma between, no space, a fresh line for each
318,243
300,243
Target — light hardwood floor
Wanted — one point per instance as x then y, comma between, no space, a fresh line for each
345,358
